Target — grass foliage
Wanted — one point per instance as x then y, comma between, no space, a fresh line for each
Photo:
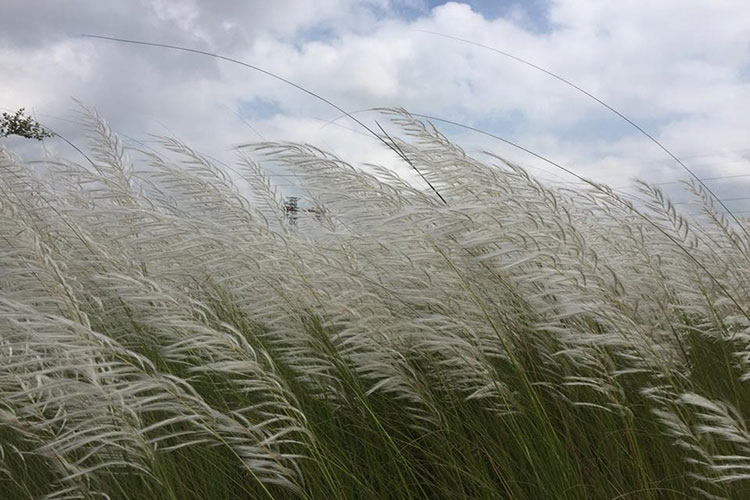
166,334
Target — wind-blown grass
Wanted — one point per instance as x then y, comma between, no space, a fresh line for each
167,335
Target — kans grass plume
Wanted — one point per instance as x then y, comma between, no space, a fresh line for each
165,333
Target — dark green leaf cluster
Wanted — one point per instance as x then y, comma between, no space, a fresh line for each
25,126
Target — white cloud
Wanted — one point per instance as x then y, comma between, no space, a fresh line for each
679,67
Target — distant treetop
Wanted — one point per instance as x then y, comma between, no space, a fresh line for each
25,126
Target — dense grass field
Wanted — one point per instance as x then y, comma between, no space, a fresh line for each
166,333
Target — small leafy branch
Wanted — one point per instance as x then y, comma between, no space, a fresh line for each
25,126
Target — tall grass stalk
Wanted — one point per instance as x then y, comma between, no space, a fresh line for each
167,334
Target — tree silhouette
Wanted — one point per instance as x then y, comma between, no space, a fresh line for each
25,126
291,209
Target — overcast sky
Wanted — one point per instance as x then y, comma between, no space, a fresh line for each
679,68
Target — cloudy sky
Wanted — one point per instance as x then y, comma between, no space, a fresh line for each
679,68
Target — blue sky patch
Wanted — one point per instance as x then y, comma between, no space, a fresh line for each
602,126
258,108
533,13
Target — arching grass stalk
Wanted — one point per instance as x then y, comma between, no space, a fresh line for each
605,105
277,77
